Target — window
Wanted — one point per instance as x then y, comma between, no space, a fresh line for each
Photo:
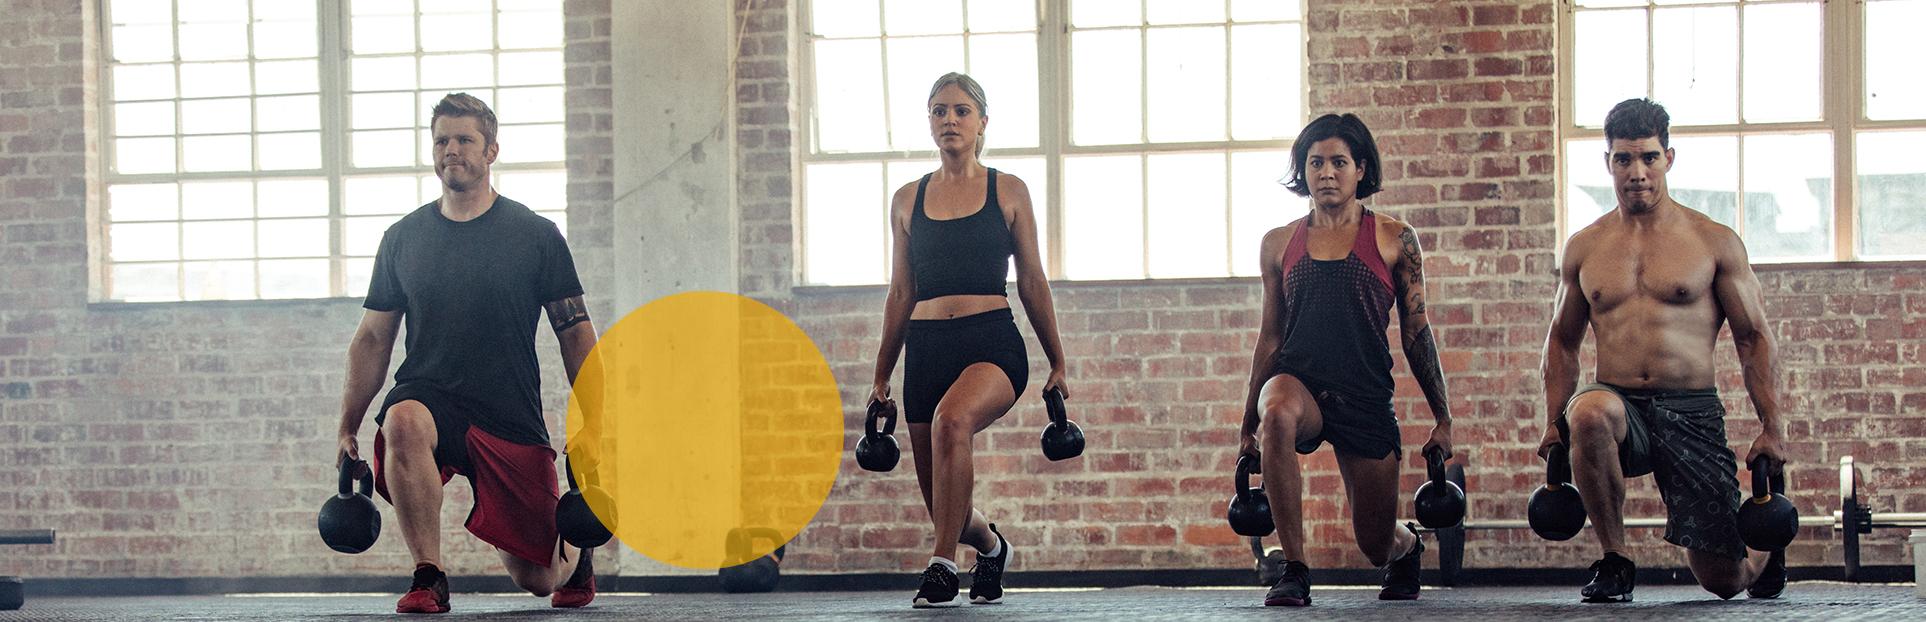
1772,102
1151,132
252,152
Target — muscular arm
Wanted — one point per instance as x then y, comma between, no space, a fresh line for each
902,287
368,355
1270,252
1033,287
575,335
1740,299
1414,324
1570,314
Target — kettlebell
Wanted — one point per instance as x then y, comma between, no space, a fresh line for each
1250,508
1556,512
349,522
1440,503
877,451
1768,521
753,575
1062,439
576,520
1270,562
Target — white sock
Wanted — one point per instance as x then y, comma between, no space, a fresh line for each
945,562
995,550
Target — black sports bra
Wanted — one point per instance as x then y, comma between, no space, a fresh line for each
968,255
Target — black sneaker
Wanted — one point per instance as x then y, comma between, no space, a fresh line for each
1401,575
1772,579
939,588
1613,582
1293,589
986,579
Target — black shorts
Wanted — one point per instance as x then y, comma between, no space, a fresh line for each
935,353
451,424
1678,436
1354,426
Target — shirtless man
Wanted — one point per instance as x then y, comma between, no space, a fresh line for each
1654,281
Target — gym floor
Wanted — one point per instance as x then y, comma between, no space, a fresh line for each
1805,600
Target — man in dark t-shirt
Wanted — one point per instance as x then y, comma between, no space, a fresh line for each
470,274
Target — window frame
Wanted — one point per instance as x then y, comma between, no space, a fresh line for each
333,54
1842,115
1055,82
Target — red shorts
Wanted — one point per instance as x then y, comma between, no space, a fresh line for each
514,484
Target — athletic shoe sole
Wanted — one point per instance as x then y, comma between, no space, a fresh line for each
924,604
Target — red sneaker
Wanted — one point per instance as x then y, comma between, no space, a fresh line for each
580,589
428,594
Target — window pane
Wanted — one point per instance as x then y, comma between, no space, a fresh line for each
214,79
1609,62
284,10
453,6
1036,177
138,44
1187,215
381,7
219,280
288,76
1183,12
1006,66
1103,224
294,278
532,143
143,241
1588,184
290,152
1186,86
1266,100
133,156
922,17
224,239
133,82
295,112
544,190
292,197
307,237
382,110
1783,58
127,202
285,39
1788,196
211,10
1266,10
382,34
383,148
846,216
454,71
913,65
144,119
147,282
1892,187
380,195
357,272
531,105
392,73
208,200
1002,15
216,116
217,153
364,234
1893,50
1258,204
530,29
214,41
456,31
1699,79
141,12
849,96
1106,87
845,18
1099,13
1705,177
529,68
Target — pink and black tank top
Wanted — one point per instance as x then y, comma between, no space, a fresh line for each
1335,315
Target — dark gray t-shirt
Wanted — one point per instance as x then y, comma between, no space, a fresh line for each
471,294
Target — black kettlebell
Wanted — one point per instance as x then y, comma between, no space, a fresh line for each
1440,503
753,575
1062,439
575,520
348,521
1556,512
1768,521
1250,508
877,451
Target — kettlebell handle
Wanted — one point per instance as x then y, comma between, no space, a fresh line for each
1246,463
1434,463
1761,479
351,470
1558,466
879,409
1053,406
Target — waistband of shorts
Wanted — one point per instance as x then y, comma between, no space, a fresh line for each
1662,393
994,315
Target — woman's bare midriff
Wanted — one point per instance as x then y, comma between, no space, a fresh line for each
952,307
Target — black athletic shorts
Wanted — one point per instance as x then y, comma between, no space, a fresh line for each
1678,436
937,351
1356,426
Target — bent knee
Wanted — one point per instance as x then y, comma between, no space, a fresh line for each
1725,590
1594,413
409,424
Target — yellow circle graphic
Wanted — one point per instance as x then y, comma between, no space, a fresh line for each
702,414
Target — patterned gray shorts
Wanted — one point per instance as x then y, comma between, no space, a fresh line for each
1678,436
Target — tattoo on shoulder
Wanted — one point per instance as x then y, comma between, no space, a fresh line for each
567,312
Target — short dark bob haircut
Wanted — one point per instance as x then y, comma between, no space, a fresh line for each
1364,151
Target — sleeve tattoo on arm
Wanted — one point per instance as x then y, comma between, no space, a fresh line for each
565,313
1420,347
